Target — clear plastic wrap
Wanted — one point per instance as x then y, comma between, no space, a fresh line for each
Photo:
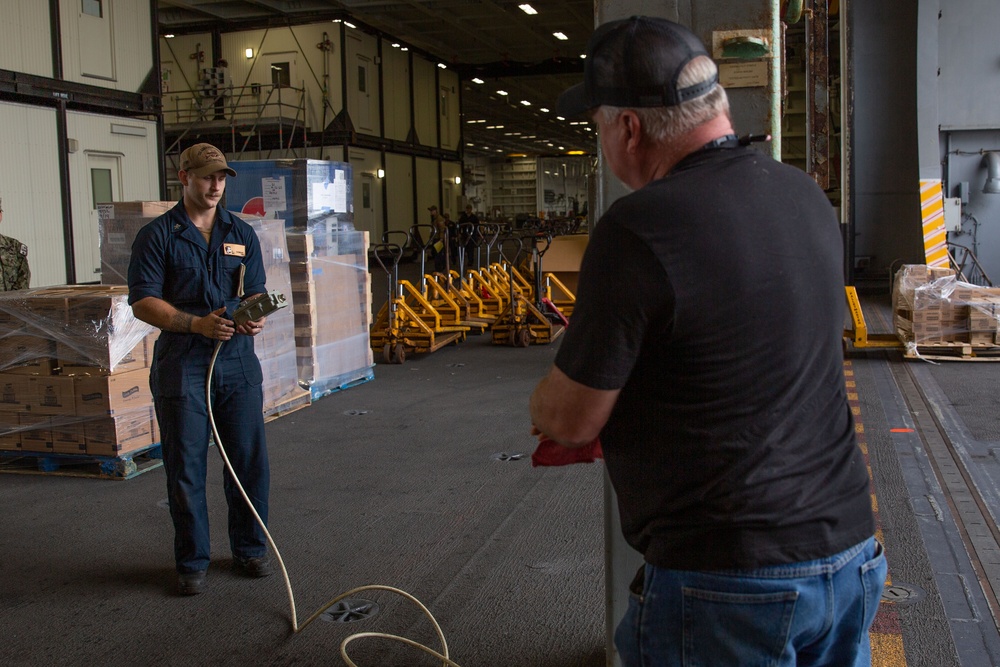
74,376
932,307
331,295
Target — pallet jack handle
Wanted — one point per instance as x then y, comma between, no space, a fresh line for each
490,232
418,241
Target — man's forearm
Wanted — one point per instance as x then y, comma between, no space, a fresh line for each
163,315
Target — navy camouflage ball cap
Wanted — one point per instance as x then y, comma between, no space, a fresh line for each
635,62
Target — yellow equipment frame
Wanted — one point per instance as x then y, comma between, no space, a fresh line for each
859,336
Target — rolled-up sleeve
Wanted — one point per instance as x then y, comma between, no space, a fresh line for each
146,269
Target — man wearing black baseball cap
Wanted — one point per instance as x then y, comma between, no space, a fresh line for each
705,353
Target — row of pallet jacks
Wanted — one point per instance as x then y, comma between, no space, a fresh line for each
511,296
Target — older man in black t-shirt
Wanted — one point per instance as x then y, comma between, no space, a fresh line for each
705,352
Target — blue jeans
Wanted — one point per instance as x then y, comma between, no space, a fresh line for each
812,613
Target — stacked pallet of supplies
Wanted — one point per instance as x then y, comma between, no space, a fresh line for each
74,372
331,294
932,307
275,347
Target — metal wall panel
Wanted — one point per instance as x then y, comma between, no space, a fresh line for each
181,58
112,51
25,45
425,100
448,108
361,52
126,149
968,89
29,186
399,192
396,91
428,187
312,66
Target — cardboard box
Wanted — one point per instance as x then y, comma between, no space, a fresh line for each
95,357
14,392
10,434
111,395
50,395
134,209
565,253
25,346
68,436
113,436
36,433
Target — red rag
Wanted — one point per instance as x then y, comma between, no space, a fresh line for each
551,453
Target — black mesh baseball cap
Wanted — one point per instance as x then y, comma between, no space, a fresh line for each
635,62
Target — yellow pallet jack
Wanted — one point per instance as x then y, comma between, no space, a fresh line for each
858,337
481,280
521,323
407,323
439,289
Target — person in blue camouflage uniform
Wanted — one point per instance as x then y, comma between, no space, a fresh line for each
14,271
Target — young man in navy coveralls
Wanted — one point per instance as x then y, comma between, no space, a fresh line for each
190,269
705,351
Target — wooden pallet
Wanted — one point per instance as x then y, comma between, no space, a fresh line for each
121,467
953,352
296,400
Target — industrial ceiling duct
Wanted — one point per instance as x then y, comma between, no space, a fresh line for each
992,160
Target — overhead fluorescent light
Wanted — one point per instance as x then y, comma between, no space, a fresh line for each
442,66
501,92
560,118
559,35
543,109
404,48
528,9
168,36
526,103
583,55
478,80
350,25
395,45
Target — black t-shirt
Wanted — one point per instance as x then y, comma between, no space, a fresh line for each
713,298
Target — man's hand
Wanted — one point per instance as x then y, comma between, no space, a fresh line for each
251,327
214,325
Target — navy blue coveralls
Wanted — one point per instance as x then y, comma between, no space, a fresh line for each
171,261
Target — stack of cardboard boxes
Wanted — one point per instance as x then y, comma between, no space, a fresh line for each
931,307
331,295
85,389
275,346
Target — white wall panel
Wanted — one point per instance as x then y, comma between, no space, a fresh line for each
29,186
367,191
313,67
25,37
181,59
114,51
399,192
428,186
449,111
451,192
361,52
127,148
424,101
396,91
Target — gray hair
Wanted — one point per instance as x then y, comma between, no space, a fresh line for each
665,124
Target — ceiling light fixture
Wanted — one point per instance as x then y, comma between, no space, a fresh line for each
502,92
526,103
478,80
395,45
404,48
350,25
442,66
528,9
559,35
560,118
168,36
543,109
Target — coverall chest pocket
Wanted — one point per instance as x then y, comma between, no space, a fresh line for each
185,280
230,276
